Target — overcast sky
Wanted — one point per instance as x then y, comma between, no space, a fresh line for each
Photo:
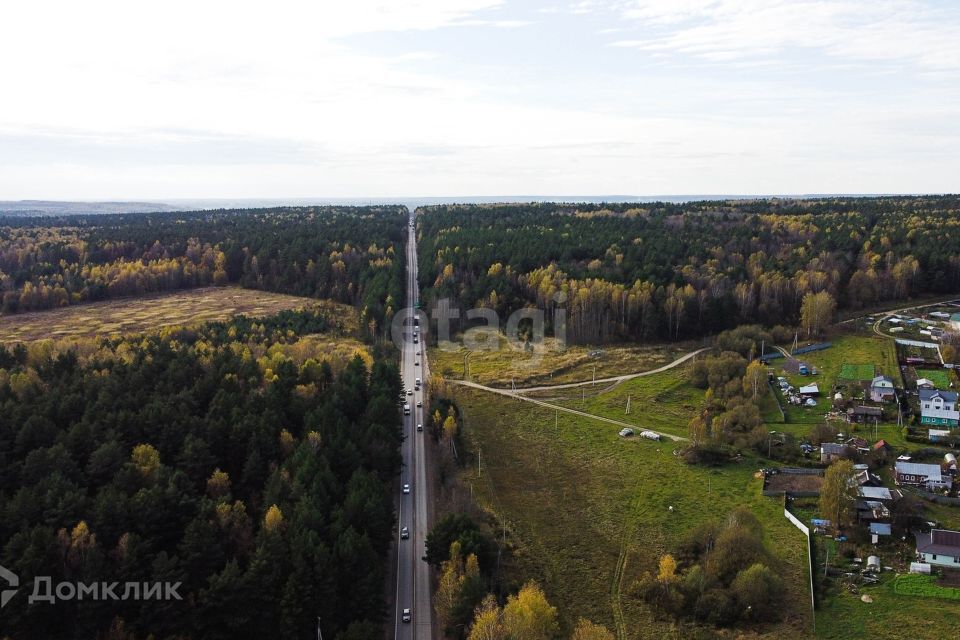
207,99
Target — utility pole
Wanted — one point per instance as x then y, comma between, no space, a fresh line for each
479,459
628,405
319,633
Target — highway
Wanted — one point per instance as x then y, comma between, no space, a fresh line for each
413,573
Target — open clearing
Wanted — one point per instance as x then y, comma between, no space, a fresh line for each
588,511
546,364
857,371
134,315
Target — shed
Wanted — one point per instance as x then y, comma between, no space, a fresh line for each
810,390
880,529
920,567
873,563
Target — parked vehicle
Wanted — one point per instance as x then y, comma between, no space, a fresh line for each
651,435
626,432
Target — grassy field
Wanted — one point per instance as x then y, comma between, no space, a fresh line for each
134,315
890,616
664,402
587,511
923,586
548,364
939,377
850,371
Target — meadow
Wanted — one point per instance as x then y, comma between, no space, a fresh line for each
135,315
587,512
548,363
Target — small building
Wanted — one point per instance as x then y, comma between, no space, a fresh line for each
880,529
955,320
830,451
881,445
864,414
939,407
871,510
875,493
922,475
810,390
940,315
881,389
938,435
925,383
939,547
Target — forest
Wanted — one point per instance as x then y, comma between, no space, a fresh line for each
352,255
225,457
674,271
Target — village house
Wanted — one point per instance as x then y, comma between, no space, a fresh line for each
830,451
881,389
938,407
939,547
864,414
922,475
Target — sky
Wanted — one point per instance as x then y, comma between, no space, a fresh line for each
111,100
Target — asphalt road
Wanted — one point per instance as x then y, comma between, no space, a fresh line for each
413,575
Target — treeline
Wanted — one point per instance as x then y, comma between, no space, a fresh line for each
353,255
669,271
259,480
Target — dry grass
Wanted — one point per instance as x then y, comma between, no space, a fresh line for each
135,315
547,364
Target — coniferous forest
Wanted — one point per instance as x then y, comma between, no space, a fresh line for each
221,457
656,271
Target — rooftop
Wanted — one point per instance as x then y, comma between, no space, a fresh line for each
929,394
939,541
931,471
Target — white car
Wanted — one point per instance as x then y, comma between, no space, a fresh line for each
406,615
406,488
419,403
404,533
419,427
417,363
409,392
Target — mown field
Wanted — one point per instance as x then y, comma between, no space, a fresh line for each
134,315
549,363
588,512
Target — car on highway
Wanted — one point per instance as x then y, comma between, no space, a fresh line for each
404,533
419,427
406,488
419,403
405,616
416,363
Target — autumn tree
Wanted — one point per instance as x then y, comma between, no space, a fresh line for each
587,630
838,493
528,616
816,312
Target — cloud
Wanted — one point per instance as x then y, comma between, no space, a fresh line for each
906,32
